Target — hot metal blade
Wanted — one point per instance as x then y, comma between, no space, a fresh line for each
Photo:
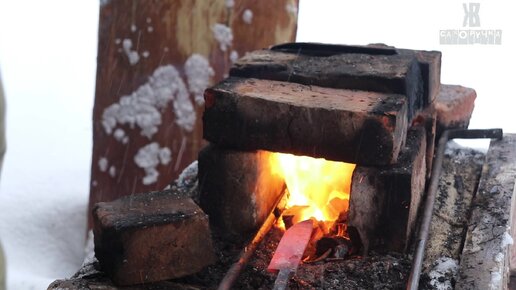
291,247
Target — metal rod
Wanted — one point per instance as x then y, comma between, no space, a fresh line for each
417,262
244,256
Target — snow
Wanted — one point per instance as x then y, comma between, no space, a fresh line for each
506,240
89,249
119,135
496,280
497,271
233,56
103,164
188,174
223,35
112,171
247,16
198,73
142,107
127,45
499,257
149,157
444,269
230,3
44,187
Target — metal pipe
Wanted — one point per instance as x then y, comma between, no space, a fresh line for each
417,262
244,256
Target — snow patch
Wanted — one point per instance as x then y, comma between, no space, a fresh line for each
506,240
142,107
119,134
188,174
148,20
496,280
149,157
499,257
132,55
165,155
112,171
223,35
230,3
89,249
150,29
133,28
103,164
247,16
233,56
146,54
118,41
444,270
198,73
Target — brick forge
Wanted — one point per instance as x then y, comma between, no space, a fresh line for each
373,106
370,106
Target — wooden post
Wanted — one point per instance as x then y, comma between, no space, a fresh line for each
154,60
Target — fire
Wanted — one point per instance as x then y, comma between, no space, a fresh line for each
318,187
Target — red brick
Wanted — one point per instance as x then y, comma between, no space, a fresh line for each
428,119
384,200
430,65
151,237
237,188
454,106
339,66
352,126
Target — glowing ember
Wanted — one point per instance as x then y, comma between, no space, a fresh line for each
318,186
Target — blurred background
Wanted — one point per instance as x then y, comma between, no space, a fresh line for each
48,61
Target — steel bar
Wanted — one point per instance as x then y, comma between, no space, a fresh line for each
244,256
447,135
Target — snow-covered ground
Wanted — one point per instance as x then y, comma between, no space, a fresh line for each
47,58
48,62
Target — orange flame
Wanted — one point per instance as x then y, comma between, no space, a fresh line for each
321,185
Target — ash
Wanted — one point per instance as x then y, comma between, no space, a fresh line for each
377,271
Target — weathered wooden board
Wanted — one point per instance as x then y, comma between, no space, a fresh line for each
484,262
358,127
154,60
460,176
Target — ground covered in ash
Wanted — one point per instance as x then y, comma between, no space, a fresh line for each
377,271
